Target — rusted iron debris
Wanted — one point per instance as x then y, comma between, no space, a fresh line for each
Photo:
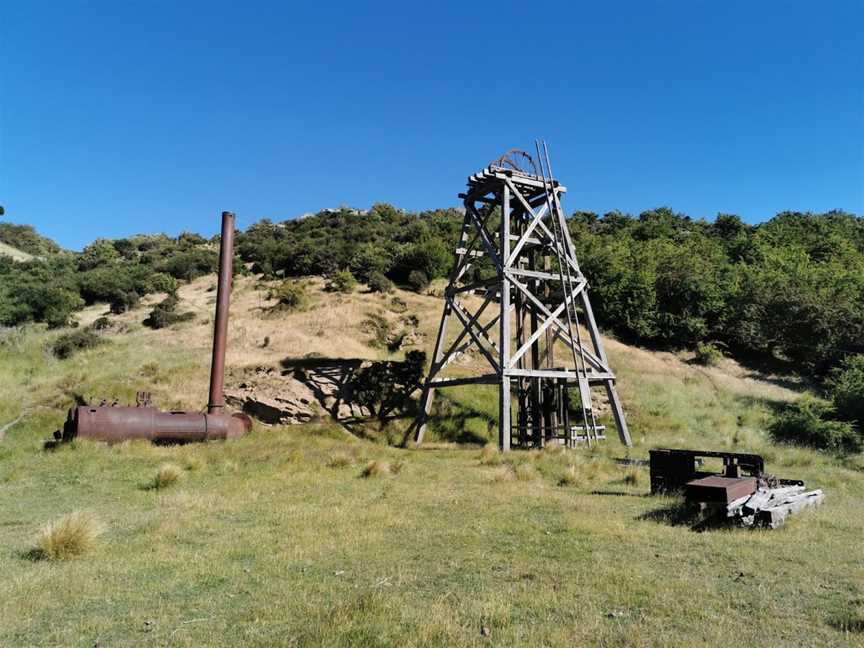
742,494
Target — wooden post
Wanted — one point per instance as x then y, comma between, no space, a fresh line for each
504,425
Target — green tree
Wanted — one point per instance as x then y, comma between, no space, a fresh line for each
846,388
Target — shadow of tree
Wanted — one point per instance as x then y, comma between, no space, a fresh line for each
359,394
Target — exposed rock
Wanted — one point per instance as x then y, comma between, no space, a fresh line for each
272,398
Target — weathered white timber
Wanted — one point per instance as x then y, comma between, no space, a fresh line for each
775,516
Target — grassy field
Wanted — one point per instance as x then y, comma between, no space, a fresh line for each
290,537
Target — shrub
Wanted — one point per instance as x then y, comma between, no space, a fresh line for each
708,354
846,388
341,282
164,315
378,283
369,259
398,305
68,344
809,422
101,324
418,280
35,298
123,302
100,252
161,282
191,264
167,475
377,326
70,536
291,296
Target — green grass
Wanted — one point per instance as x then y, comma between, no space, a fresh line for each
278,539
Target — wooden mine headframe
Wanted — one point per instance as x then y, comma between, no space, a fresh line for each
515,252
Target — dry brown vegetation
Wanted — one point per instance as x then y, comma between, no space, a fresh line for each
167,475
68,537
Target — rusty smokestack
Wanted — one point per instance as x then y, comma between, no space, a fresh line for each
216,403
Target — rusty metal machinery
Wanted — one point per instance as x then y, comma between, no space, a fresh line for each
672,469
113,423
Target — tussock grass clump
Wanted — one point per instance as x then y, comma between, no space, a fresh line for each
376,468
339,459
632,478
167,475
524,472
70,536
489,455
194,463
503,474
570,476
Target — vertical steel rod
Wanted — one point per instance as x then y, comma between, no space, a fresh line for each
216,403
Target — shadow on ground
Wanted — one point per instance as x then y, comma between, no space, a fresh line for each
365,397
685,515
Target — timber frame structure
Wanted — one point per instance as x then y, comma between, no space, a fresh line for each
516,255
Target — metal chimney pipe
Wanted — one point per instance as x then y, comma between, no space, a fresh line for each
216,404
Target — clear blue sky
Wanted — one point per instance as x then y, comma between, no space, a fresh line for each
137,116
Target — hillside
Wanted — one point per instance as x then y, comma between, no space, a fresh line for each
278,539
14,253
25,241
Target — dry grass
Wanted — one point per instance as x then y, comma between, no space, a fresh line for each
632,478
194,463
502,474
376,468
569,477
489,455
167,475
339,459
68,537
525,472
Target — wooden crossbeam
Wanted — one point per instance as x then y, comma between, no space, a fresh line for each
489,379
540,330
445,359
463,316
598,363
484,236
597,378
